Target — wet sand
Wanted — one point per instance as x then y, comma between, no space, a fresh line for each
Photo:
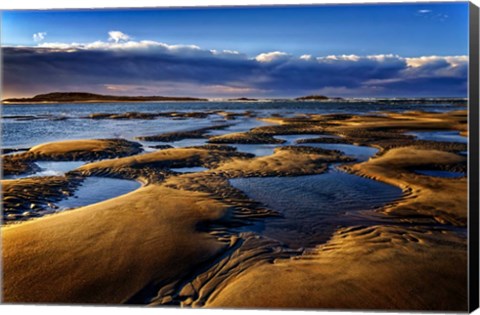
442,199
70,150
176,240
378,267
108,252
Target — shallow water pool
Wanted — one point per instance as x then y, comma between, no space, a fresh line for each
311,203
292,139
445,136
189,169
96,189
256,149
51,168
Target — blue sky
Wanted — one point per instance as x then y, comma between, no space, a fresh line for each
343,29
400,30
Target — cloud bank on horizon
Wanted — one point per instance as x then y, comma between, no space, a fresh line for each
122,65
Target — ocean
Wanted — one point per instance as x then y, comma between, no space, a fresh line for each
26,125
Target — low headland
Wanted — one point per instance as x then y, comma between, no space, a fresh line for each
79,97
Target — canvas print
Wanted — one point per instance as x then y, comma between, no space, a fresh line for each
296,157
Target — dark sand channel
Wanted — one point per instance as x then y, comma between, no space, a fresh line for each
360,153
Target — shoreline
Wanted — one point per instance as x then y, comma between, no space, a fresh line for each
99,101
215,101
392,101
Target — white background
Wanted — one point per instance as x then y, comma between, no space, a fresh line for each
122,310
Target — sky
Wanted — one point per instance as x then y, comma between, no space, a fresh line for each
374,50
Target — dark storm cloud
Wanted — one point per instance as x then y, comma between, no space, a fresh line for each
295,74
60,67
57,68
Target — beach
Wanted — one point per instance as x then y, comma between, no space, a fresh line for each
212,223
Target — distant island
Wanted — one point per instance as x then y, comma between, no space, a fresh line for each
389,101
312,98
80,97
243,99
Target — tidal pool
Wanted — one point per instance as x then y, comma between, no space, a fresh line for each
238,125
256,149
50,168
189,142
96,189
268,149
189,169
292,139
446,136
311,205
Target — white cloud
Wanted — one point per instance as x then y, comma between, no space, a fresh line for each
117,36
40,36
272,56
59,46
339,58
120,41
383,57
226,52
454,61
431,15
356,58
382,81
436,67
124,45
307,57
